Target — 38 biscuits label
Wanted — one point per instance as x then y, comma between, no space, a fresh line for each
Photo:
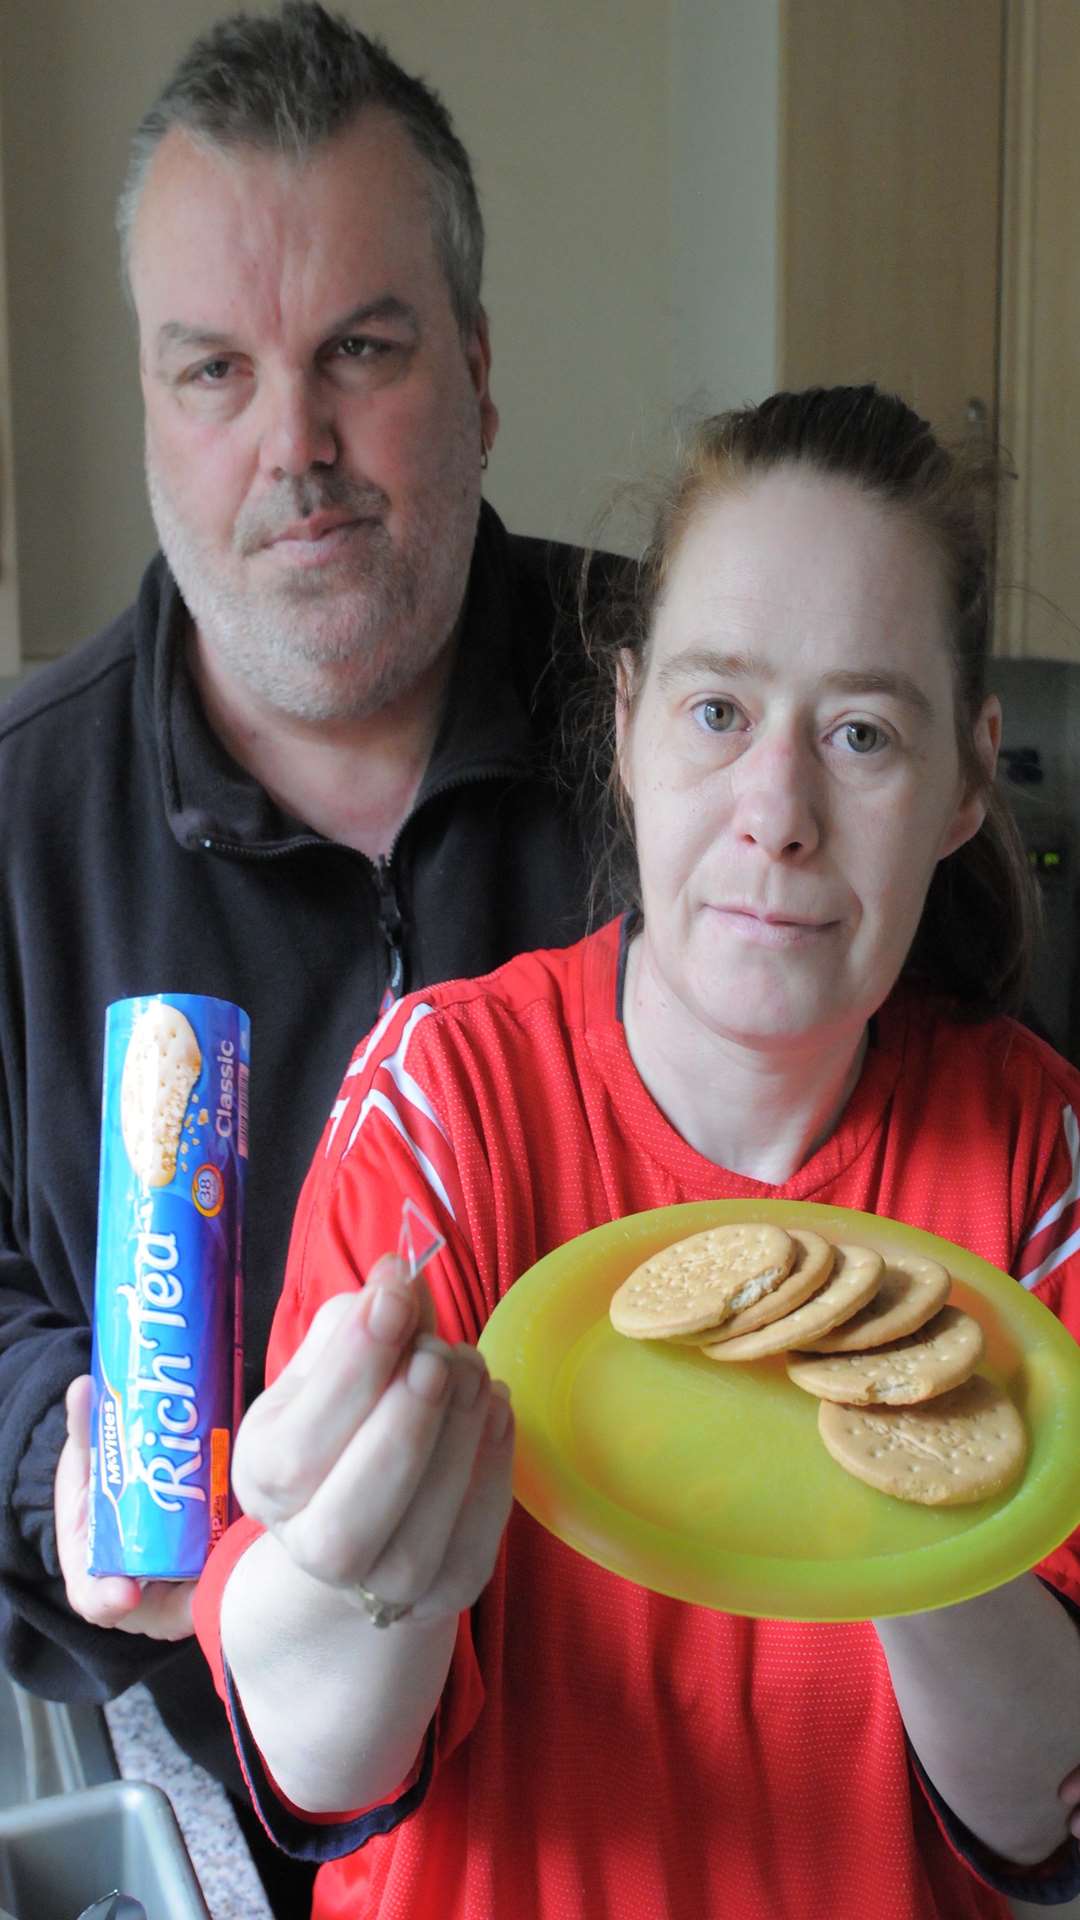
167,1295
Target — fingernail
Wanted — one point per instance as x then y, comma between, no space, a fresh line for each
427,1375
498,1419
388,1268
390,1314
467,1386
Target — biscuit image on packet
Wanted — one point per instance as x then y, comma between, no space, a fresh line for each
161,1065
167,1347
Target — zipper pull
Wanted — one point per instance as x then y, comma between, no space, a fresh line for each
393,932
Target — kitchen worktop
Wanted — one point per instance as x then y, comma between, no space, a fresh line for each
145,1750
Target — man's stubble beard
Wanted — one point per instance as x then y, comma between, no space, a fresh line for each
316,648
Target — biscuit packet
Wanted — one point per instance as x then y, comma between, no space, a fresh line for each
167,1329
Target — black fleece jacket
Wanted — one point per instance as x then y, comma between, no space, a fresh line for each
137,857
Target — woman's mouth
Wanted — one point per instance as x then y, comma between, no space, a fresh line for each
772,929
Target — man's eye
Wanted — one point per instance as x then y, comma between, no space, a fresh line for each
863,737
719,716
358,346
213,372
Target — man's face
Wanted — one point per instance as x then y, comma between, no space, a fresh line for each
313,415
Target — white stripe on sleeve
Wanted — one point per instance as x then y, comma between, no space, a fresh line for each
410,1089
357,1066
377,1102
1071,1129
1052,1260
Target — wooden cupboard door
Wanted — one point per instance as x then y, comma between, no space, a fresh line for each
1039,602
9,597
890,114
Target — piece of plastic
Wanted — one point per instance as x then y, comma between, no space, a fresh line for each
418,1240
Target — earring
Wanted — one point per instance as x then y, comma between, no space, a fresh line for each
483,457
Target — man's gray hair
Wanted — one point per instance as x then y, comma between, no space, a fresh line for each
290,82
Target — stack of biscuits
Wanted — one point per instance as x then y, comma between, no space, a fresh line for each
893,1365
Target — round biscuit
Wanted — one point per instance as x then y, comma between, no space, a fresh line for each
814,1260
941,1355
912,1290
964,1446
851,1284
696,1283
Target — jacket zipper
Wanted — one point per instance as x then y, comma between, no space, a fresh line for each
390,920
391,923
392,928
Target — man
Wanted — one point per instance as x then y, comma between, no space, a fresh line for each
308,769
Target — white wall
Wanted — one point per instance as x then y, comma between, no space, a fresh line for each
70,92
562,107
724,110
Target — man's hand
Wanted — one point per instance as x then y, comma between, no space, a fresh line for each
381,1456
162,1608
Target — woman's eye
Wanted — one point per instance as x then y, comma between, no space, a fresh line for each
213,372
863,737
719,716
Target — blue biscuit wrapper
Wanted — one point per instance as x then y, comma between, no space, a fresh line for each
167,1346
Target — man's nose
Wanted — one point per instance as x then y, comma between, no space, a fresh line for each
298,430
777,800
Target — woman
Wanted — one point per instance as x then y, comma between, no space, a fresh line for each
828,899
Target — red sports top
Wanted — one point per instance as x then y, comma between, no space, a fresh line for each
602,1752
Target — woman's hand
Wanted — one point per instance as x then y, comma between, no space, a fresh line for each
380,1457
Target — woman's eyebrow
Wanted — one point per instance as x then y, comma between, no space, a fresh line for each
891,681
697,663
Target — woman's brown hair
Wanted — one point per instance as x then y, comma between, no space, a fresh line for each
975,937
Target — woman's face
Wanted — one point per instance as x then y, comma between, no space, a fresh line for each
791,758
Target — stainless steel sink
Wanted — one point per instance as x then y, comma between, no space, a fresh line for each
61,1854
71,1829
48,1748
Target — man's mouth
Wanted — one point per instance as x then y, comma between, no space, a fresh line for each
321,540
318,526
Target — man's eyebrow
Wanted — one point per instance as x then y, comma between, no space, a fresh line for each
707,663
175,335
387,308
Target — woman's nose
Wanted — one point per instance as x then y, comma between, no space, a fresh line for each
776,801
298,431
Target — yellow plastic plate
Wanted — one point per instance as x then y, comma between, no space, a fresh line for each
710,1482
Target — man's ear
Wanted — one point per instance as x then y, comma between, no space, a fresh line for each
971,811
478,357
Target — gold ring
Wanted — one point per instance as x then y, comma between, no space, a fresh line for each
381,1613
